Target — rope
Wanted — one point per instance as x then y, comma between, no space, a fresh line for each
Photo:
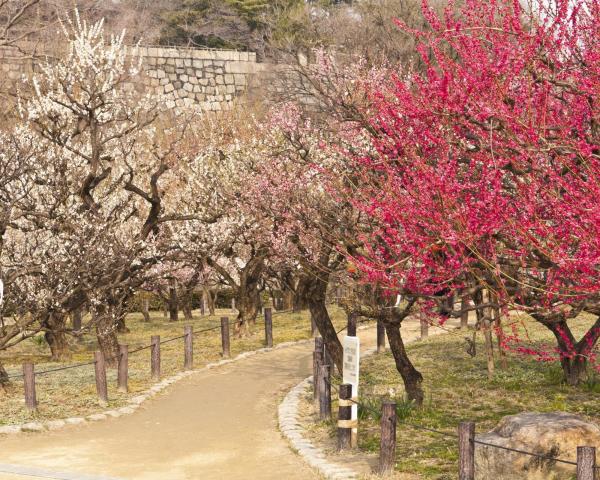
139,349
524,452
454,435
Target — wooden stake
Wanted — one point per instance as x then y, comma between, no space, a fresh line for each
387,450
351,329
324,392
155,357
29,383
188,347
317,362
268,327
344,415
225,339
466,451
586,463
123,369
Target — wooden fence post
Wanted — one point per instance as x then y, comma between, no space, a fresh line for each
324,392
188,347
233,310
123,369
313,326
100,369
344,417
269,327
380,336
387,449
29,383
225,340
155,357
317,362
424,327
586,463
351,329
466,451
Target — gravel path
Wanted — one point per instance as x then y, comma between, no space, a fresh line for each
215,424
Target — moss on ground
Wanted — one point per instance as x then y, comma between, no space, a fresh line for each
72,392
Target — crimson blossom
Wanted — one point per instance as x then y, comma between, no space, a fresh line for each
483,172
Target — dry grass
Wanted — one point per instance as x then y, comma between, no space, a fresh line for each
72,392
457,388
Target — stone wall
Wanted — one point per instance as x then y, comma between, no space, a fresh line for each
212,79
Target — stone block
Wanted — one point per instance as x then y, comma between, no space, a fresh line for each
556,434
169,88
240,67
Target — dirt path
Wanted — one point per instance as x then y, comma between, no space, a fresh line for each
216,424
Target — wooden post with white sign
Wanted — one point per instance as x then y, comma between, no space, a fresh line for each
351,374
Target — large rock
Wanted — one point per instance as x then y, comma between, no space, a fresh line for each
554,434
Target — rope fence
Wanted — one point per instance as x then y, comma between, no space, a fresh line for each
586,468
99,362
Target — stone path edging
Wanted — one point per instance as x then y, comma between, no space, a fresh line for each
134,402
290,426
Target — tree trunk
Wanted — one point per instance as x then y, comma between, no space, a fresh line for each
314,289
288,299
4,380
574,369
146,308
410,375
574,354
173,302
106,333
76,320
56,337
246,301
212,301
300,302
187,307
121,327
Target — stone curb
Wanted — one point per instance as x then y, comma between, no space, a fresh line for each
291,428
134,402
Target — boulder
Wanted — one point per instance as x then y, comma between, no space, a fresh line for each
555,435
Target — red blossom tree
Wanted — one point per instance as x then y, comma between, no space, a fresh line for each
483,171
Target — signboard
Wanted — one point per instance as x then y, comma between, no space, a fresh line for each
351,373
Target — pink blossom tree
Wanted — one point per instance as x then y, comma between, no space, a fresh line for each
482,172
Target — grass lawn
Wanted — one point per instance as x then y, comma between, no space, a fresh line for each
457,388
72,392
